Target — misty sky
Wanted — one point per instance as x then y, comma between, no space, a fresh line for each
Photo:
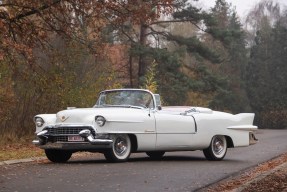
242,6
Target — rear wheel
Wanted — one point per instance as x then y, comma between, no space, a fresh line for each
217,148
58,156
121,149
155,154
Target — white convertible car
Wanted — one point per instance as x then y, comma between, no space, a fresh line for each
124,121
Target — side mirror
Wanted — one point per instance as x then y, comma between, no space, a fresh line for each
157,101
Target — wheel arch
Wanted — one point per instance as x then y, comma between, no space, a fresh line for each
134,142
229,141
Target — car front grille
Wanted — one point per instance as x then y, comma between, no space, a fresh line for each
58,131
59,139
61,134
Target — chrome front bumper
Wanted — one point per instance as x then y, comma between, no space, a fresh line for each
90,142
75,146
94,141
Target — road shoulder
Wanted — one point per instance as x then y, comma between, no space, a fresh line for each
268,176
17,161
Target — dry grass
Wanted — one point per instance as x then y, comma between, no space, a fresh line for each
18,148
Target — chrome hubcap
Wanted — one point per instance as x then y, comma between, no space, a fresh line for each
120,145
218,146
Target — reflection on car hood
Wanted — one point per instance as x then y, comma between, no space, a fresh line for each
87,115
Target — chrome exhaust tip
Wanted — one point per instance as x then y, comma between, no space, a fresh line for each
252,139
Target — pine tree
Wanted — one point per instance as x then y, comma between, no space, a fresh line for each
227,30
267,76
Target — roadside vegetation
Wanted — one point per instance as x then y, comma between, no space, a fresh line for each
21,149
268,176
60,53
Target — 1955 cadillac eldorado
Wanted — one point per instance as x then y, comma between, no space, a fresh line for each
124,121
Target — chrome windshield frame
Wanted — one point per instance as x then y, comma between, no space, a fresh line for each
126,105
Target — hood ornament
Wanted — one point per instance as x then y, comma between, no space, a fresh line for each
63,118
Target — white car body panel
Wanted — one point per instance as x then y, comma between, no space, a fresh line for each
174,131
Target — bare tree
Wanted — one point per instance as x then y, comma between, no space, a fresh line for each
265,12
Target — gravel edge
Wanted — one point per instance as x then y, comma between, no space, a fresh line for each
18,161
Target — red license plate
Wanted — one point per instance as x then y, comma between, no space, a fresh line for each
75,138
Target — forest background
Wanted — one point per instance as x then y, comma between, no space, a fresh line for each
60,53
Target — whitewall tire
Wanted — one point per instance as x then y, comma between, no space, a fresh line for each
217,148
121,149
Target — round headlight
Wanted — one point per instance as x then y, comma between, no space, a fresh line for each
39,122
100,120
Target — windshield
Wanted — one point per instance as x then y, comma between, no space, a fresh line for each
126,98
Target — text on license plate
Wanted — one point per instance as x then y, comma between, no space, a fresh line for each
75,138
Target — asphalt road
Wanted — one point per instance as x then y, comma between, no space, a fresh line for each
177,171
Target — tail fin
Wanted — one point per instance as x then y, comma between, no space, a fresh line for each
246,118
245,122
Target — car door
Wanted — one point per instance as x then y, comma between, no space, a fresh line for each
174,131
139,122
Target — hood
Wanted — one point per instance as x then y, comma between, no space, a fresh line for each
87,115
75,115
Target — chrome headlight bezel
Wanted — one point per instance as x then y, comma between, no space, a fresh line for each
100,120
39,121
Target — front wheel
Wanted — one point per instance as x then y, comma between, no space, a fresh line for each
217,148
121,149
58,156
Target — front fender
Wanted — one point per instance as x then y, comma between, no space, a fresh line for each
49,119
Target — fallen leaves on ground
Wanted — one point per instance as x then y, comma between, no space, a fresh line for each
276,181
19,151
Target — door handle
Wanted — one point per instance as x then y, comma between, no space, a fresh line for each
149,131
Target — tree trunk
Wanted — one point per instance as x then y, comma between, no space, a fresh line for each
143,42
131,70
